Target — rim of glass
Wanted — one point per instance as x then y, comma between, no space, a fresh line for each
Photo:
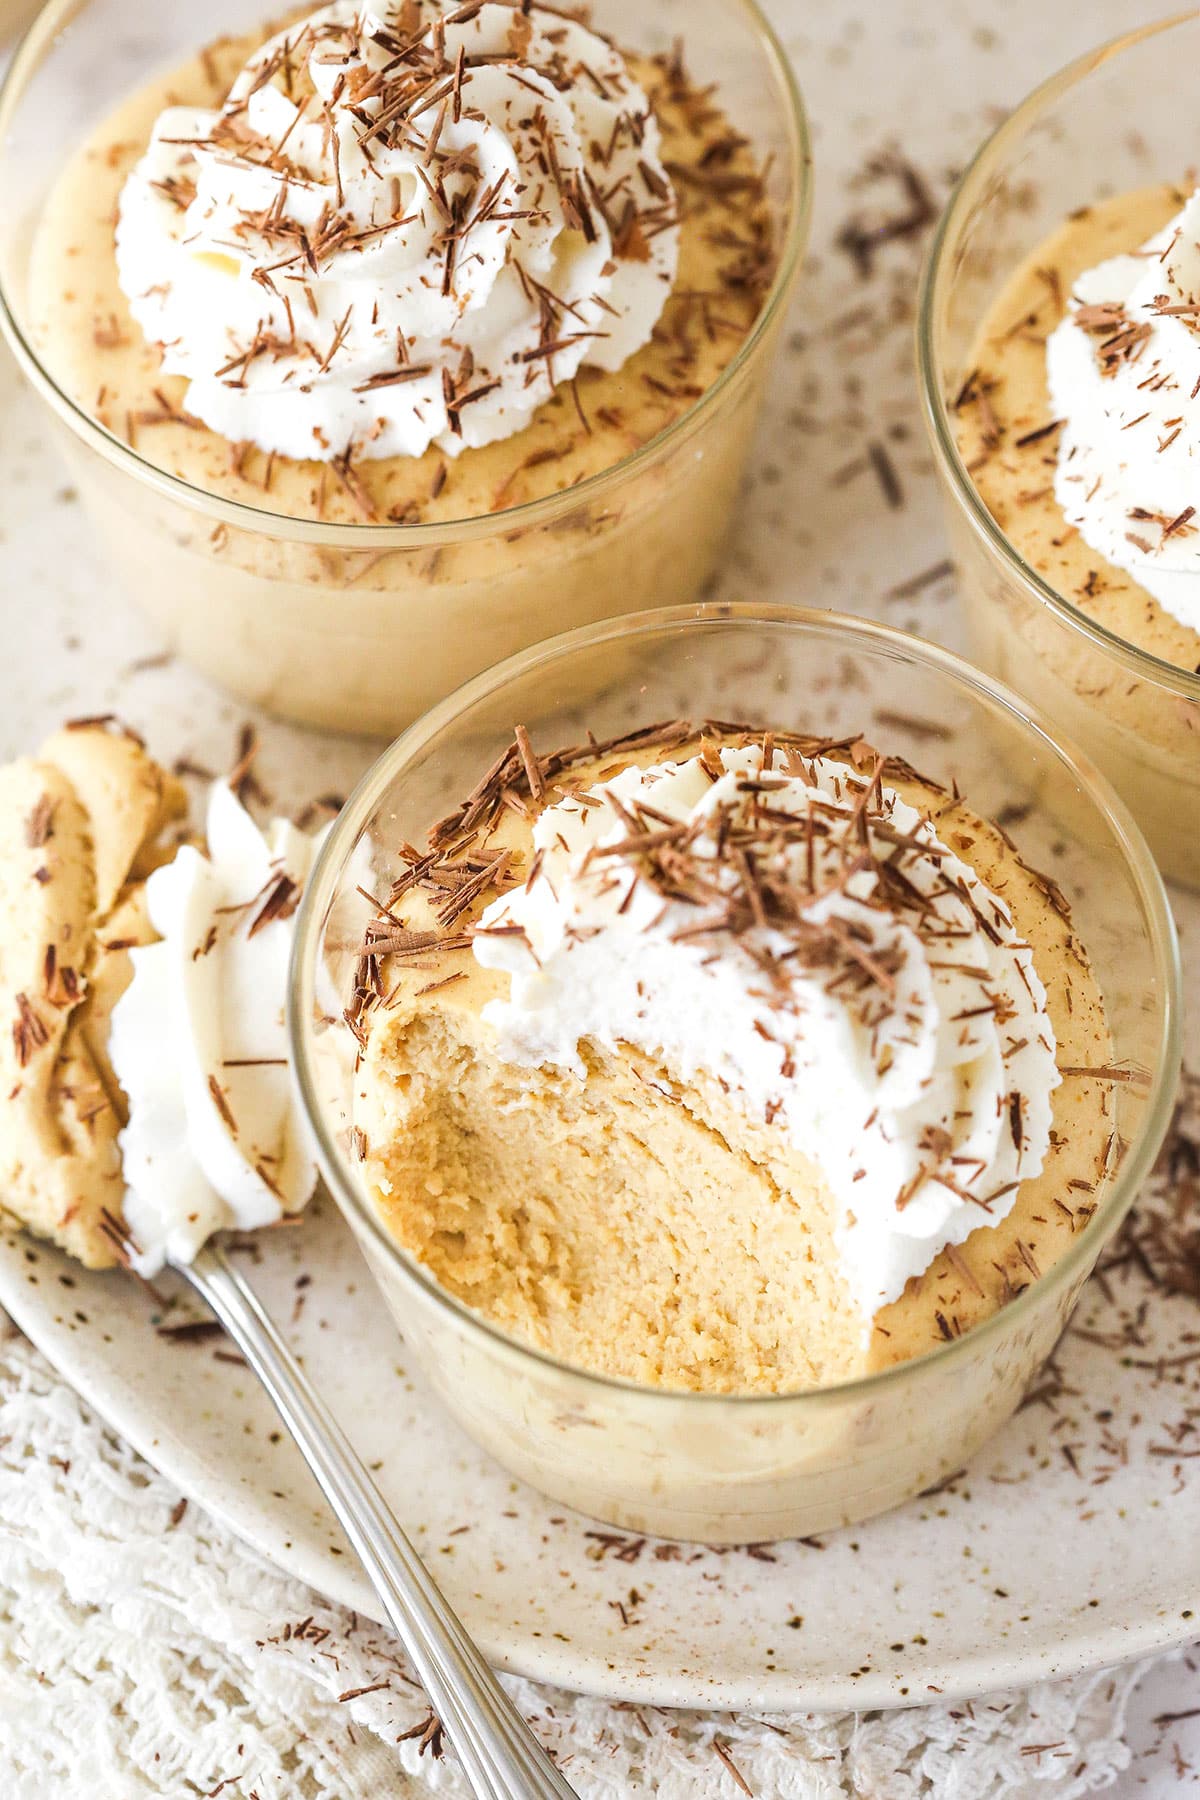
936,272
27,58
347,828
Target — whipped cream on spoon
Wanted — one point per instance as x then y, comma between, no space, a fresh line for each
215,1138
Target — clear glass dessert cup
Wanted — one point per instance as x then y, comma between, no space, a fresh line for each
359,627
741,1468
14,16
1116,120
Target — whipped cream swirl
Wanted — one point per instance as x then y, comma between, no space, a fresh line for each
404,227
1123,370
215,1138
798,933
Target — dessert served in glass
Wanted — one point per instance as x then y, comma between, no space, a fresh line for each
1060,358
14,15
390,338
144,971
147,1107
729,1110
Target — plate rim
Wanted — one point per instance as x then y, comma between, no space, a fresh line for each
966,1677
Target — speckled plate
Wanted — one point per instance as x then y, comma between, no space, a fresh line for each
1070,1542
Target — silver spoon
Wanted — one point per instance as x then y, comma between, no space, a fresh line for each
500,1754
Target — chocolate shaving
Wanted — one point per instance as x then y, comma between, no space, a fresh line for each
1122,339
241,777
39,825
731,1768
1027,1257
908,590
862,238
430,1734
885,470
282,899
1038,433
1108,1072
29,1033
962,1268
222,1105
101,721
533,773
1016,1124
394,377
190,1331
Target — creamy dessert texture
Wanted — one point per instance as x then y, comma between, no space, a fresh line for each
727,1061
404,264
147,1101
82,826
1080,422
214,1135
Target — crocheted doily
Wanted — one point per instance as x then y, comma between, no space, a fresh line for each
143,1650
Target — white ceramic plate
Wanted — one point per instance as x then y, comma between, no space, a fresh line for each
1070,1542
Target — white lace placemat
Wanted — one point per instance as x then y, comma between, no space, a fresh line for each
143,1650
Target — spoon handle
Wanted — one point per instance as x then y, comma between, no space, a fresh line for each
498,1751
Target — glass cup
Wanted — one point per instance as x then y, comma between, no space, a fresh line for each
14,16
358,626
1110,123
741,1468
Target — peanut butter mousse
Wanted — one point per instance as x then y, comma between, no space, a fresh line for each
404,264
1080,420
146,1100
82,826
727,1061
